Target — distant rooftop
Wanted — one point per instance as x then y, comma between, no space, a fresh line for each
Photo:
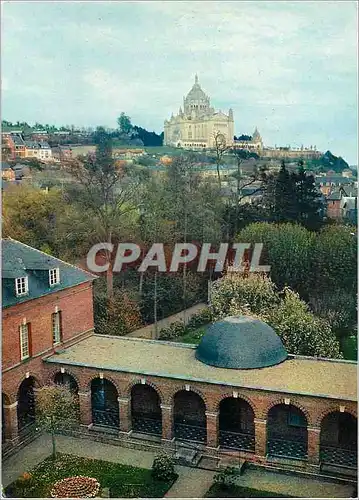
334,379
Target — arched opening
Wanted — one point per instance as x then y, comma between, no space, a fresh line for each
146,410
236,424
26,404
104,404
67,380
338,440
189,417
287,434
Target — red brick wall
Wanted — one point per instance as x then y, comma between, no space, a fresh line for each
333,209
76,309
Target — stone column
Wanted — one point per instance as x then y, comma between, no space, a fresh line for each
125,414
11,425
167,422
313,445
85,408
212,428
260,429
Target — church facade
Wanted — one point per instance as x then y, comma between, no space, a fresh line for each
198,125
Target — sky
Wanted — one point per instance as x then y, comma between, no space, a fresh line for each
289,68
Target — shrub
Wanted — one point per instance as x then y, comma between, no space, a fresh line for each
172,331
163,468
226,478
199,319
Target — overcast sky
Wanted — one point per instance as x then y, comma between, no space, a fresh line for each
289,68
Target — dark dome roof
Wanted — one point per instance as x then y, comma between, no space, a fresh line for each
240,342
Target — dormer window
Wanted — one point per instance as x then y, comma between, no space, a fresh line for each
54,276
21,286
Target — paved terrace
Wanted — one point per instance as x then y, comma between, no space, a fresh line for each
297,375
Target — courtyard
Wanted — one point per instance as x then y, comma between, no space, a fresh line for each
127,473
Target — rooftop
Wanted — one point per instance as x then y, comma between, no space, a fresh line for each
20,260
297,375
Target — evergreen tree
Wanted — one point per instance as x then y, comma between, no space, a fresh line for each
308,203
279,196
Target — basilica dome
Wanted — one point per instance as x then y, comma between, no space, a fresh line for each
240,342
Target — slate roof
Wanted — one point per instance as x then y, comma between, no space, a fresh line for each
334,379
18,141
240,342
335,179
334,196
20,260
32,144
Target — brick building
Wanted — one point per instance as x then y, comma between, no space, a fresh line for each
238,395
47,305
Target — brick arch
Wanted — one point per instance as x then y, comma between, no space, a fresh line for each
293,402
110,379
192,389
54,372
333,409
240,396
137,381
37,378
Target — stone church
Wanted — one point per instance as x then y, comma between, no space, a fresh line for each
197,125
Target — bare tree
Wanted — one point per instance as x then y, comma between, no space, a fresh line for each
108,193
220,148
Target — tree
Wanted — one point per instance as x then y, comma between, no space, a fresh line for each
241,155
335,259
300,330
279,195
220,148
256,295
30,215
56,410
287,248
238,293
124,123
107,195
308,200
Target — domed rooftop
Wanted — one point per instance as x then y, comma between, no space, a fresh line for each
196,93
240,342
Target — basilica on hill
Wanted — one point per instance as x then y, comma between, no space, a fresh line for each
197,124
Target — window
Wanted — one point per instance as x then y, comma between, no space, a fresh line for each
54,276
56,328
22,286
24,341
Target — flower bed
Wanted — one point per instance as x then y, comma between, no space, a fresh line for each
76,487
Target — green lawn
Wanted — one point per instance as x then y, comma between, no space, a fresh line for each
122,480
216,491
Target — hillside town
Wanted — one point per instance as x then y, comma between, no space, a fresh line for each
179,306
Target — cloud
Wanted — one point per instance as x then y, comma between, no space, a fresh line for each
287,67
